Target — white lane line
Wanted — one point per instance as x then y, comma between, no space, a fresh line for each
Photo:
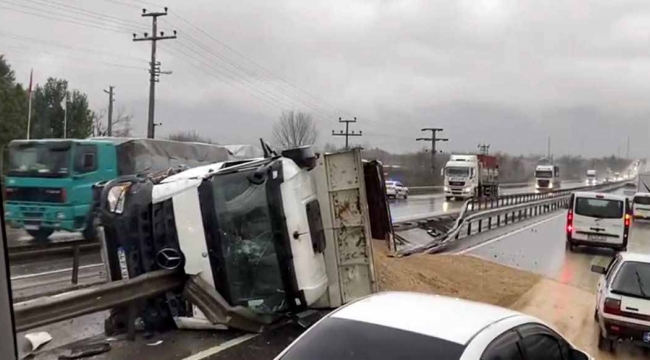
221,347
509,234
28,276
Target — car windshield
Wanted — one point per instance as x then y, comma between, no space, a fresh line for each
633,279
544,174
642,200
599,208
39,160
247,243
343,339
458,171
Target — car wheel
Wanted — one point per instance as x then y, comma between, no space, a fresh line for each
406,196
605,344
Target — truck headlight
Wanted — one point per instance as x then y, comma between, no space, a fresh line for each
550,185
469,189
116,197
446,188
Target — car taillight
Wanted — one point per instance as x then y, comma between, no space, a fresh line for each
569,221
612,306
628,219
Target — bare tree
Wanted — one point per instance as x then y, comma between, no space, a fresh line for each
121,123
295,129
189,136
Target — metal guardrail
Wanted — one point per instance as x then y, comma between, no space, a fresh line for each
509,208
44,311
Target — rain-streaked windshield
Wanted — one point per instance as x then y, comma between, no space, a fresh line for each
544,174
458,171
247,243
642,200
633,279
39,160
599,208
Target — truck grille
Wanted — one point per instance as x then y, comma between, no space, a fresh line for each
456,183
542,183
35,194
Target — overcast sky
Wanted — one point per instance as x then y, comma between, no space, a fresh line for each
505,72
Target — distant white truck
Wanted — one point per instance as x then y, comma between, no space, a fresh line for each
547,177
592,178
471,175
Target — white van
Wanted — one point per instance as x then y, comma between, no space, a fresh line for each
641,206
597,219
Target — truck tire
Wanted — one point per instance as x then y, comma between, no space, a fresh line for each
40,234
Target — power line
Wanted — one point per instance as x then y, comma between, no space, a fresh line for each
251,61
433,140
272,87
61,18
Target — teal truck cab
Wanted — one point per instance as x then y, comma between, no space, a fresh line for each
49,181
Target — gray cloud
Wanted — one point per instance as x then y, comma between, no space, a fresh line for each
507,72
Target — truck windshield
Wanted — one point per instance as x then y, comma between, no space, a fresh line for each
247,243
543,174
643,200
39,160
458,171
599,208
591,176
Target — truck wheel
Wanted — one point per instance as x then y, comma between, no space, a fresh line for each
448,198
89,232
40,234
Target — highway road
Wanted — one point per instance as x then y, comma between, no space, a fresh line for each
539,246
435,204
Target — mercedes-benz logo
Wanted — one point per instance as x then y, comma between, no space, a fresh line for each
169,258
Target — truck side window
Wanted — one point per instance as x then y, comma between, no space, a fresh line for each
315,226
85,159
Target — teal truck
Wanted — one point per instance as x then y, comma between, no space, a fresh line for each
48,185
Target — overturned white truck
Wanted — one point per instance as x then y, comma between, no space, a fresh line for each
257,238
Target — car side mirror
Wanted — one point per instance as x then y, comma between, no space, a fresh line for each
598,269
578,355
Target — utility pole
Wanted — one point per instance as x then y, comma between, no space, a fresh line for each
484,148
347,132
548,148
109,128
433,140
154,69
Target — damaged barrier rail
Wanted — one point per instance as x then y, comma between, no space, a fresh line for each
478,215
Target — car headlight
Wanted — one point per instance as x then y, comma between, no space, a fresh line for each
117,196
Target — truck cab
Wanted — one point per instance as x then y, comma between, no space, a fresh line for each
466,176
49,183
547,177
592,178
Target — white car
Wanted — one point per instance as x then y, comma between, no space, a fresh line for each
395,189
623,300
641,206
597,219
396,325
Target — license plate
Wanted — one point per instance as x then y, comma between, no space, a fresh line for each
646,337
32,227
598,238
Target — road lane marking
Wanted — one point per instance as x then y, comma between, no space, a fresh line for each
28,276
508,234
221,347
